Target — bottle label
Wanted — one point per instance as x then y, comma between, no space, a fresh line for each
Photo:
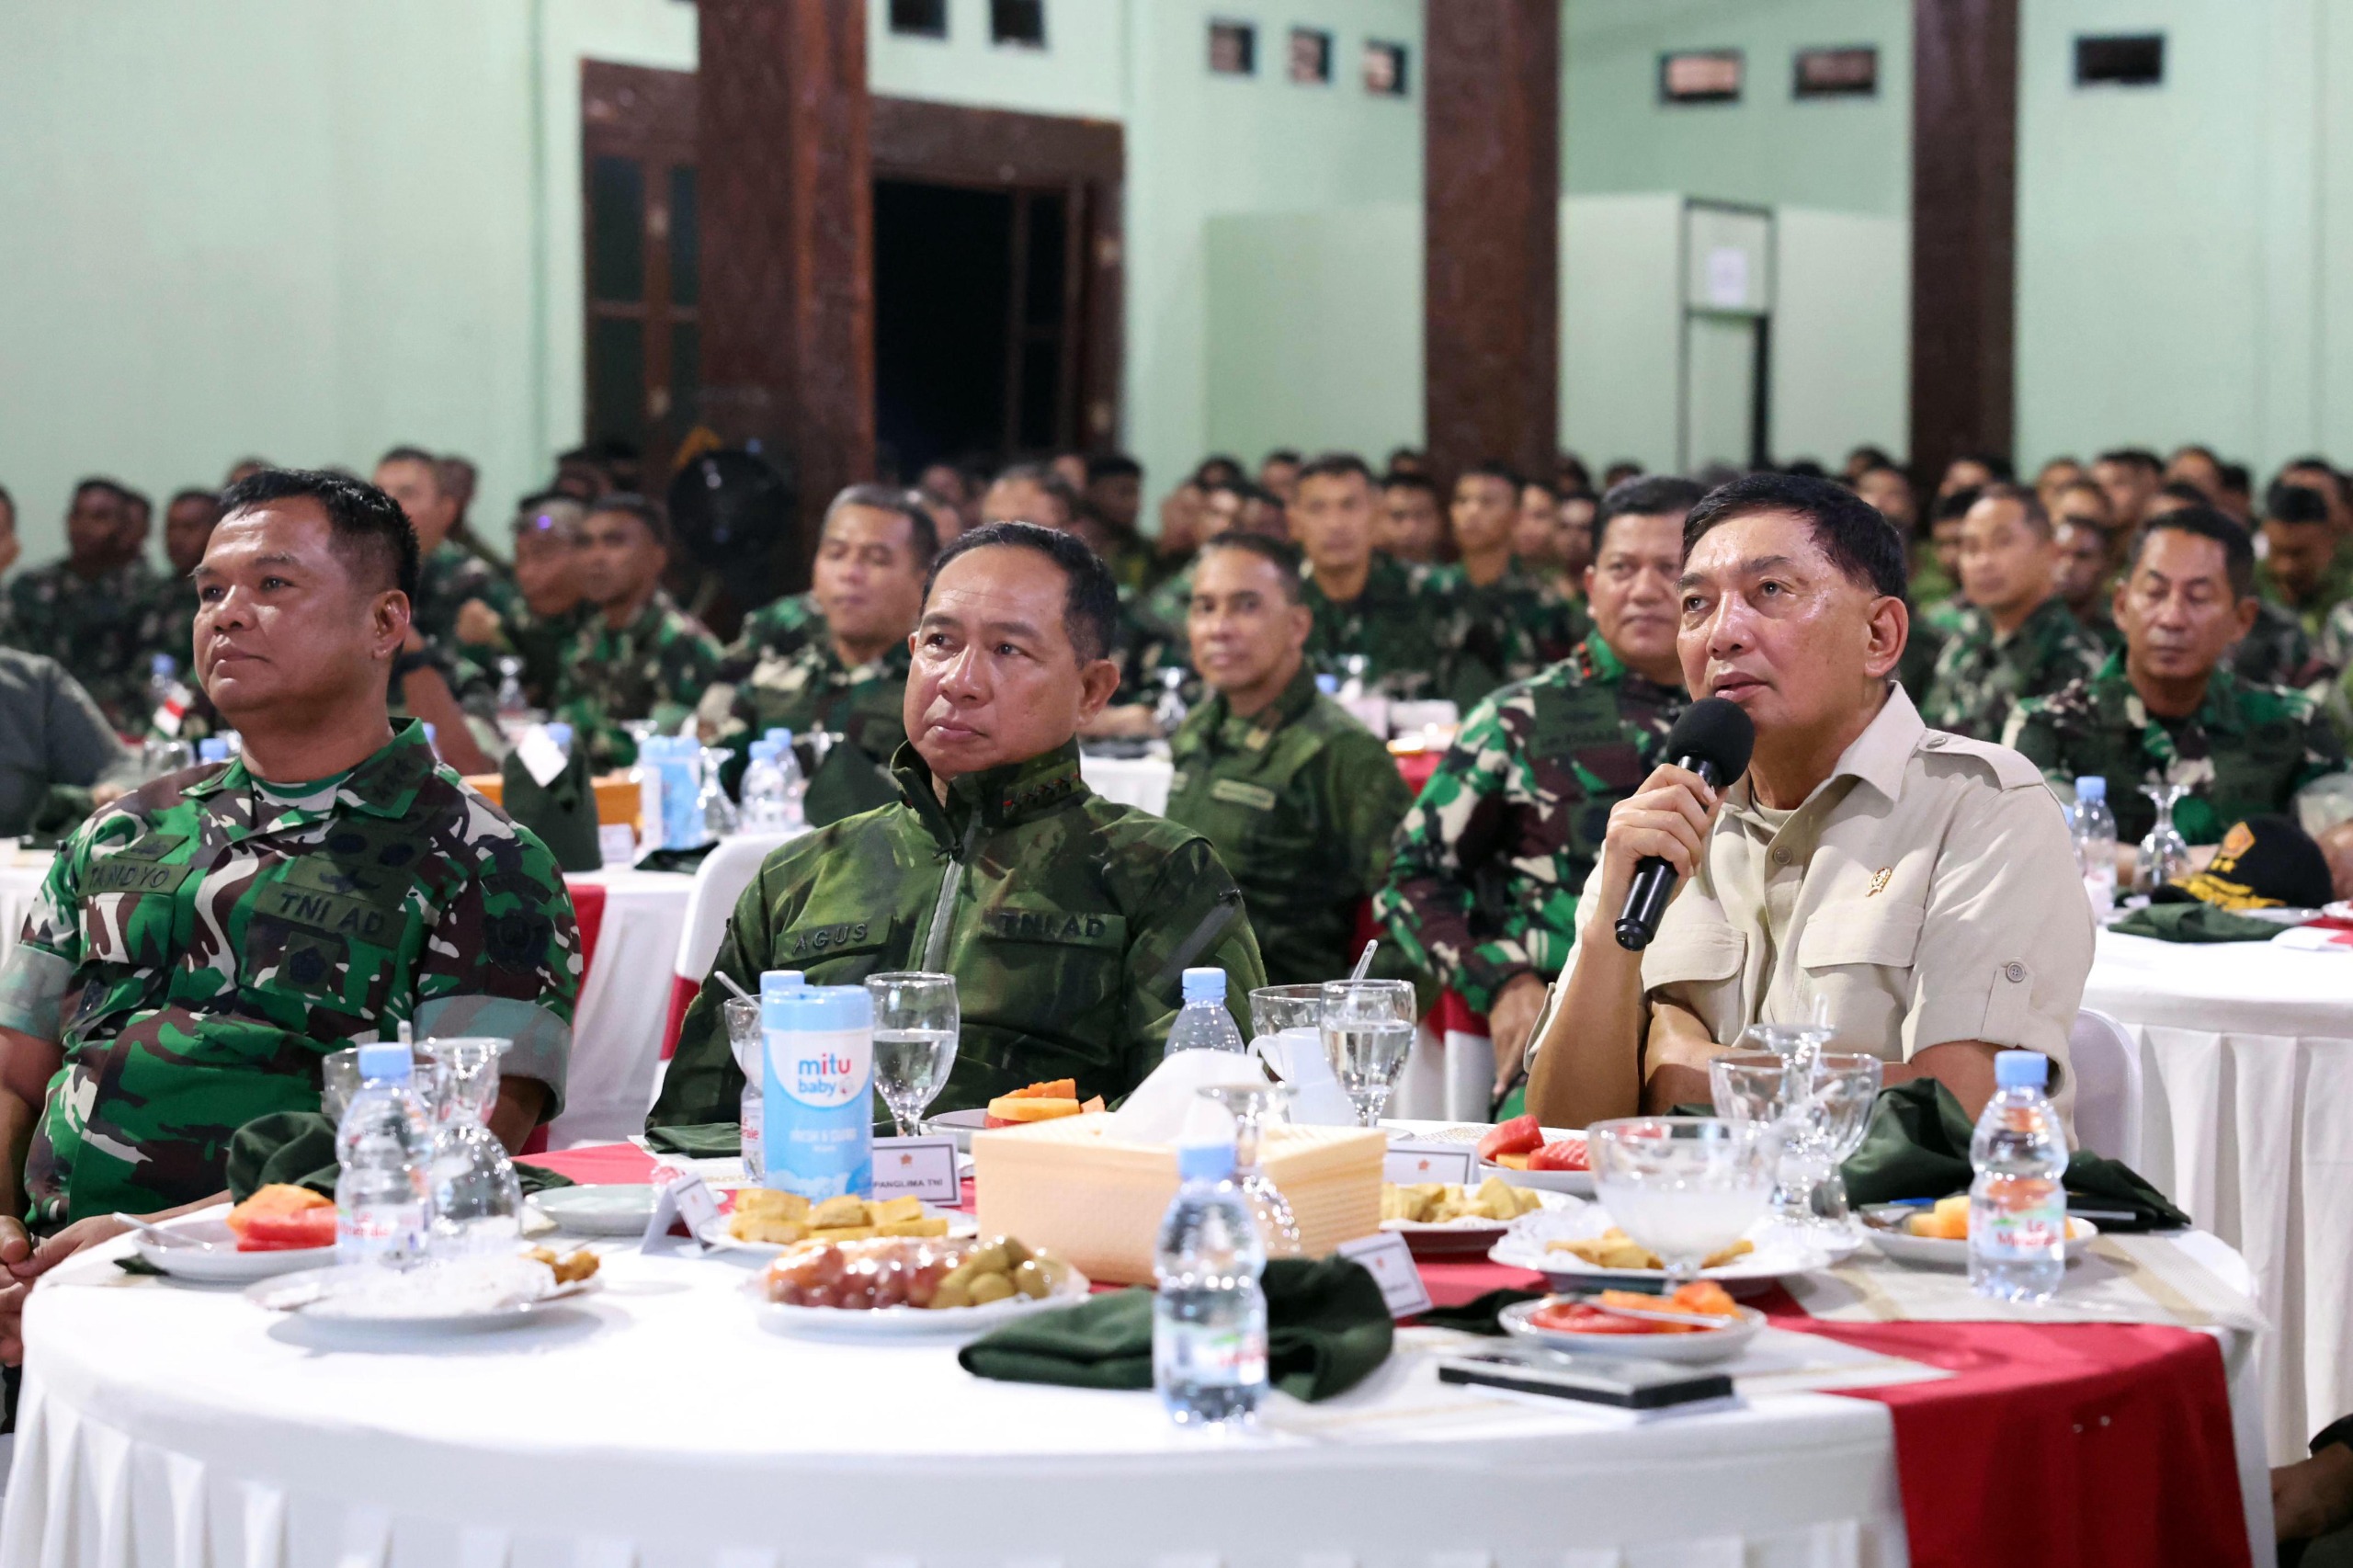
2018,1220
1219,1358
821,1143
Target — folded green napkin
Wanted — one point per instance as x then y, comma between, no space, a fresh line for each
2196,923
1327,1328
1482,1315
297,1147
696,1140
687,860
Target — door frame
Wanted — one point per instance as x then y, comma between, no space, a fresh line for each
646,113
1760,411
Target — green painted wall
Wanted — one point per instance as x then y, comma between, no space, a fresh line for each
1082,69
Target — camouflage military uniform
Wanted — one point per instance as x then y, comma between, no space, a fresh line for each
2277,652
450,575
1066,920
811,689
2336,587
1916,669
1301,802
656,667
2336,648
1981,676
2247,750
92,628
1399,623
1491,857
540,644
167,625
225,935
779,627
1504,631
1946,616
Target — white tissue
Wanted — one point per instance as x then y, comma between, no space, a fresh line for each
1161,1110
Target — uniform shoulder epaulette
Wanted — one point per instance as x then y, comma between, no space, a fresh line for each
2010,769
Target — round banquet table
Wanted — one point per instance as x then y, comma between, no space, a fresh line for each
2247,1055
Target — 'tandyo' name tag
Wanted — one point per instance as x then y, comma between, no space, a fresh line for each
917,1167
1408,1164
1386,1258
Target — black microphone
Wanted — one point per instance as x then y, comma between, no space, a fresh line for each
1713,739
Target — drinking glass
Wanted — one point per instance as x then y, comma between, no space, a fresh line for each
747,1039
2164,854
1368,1030
1684,1187
477,1200
1292,1014
1821,1107
1255,1108
338,1080
916,1025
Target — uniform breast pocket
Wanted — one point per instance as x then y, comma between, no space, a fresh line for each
130,902
321,936
1053,963
1873,932
1700,963
838,952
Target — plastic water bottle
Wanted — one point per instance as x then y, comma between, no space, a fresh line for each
212,748
1209,1322
2093,827
2018,1205
751,1123
817,1121
1204,1023
791,788
383,1205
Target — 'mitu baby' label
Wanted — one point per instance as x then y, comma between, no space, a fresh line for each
817,1123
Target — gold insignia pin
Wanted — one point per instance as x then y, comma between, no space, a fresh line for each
1879,880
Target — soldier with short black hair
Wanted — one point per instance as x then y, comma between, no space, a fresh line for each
636,655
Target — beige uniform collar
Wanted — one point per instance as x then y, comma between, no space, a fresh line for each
1878,757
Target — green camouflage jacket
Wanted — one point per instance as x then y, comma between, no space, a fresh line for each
167,625
223,938
1399,623
1979,677
1491,857
92,628
1916,669
2277,652
811,689
1300,802
656,667
540,642
781,626
1505,631
1945,615
450,575
1066,920
2336,639
2336,588
2247,750
2100,621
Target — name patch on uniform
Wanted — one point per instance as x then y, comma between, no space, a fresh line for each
1087,929
330,912
1235,792
1587,718
816,940
121,873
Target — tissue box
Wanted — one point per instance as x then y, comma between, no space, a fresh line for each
1076,1188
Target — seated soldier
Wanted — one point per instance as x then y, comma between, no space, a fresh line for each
2276,649
1366,604
850,679
228,926
2087,559
1412,525
637,656
2016,638
2167,709
1067,921
1504,622
58,754
1299,801
1916,885
1483,888
169,623
549,545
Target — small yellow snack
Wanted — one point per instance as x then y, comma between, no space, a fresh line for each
888,1210
766,1203
835,1213
912,1227
746,1227
844,1234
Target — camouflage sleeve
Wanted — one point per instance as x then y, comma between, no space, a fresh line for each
1427,901
689,663
39,968
702,1083
1190,917
2030,733
2324,747
1369,799
504,960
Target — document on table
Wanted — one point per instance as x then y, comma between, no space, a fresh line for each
2118,1279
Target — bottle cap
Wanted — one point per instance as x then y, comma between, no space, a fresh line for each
2091,788
163,664
1204,1162
561,733
779,737
2021,1069
212,749
385,1060
1328,685
1205,986
782,983
817,1007
762,751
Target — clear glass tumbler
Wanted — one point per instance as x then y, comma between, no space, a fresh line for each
916,1023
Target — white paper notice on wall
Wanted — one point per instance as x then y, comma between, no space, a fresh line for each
1728,277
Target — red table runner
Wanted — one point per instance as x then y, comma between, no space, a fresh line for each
2050,1447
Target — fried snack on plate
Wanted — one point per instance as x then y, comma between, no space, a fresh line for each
581,1265
1615,1249
1495,1201
782,1218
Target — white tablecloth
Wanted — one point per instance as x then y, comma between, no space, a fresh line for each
21,871
617,1029
2246,1054
1138,781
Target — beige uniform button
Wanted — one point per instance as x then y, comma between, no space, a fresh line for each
2014,971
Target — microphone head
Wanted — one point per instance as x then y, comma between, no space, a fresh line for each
1718,732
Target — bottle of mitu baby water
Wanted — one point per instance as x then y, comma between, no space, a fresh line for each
1209,1322
2018,1205
817,1114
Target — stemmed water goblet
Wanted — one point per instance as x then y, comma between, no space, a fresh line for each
1368,1031
477,1198
1255,1108
1684,1187
2164,854
1821,1107
916,1020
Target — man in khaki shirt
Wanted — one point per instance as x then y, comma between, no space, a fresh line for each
1920,884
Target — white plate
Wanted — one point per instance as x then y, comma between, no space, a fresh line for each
1936,1252
618,1211
907,1323
714,1233
1452,1238
221,1263
1774,1257
1711,1344
298,1294
958,1124
1577,1184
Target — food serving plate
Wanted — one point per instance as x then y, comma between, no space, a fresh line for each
1466,1237
210,1257
313,1295
908,1322
1577,1184
1701,1345
958,1124
1776,1256
1936,1252
618,1211
713,1231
